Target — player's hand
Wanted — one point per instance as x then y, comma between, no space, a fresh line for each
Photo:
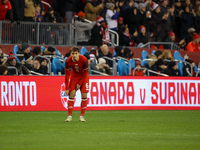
78,86
67,92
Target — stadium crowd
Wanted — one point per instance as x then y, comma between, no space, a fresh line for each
99,60
136,22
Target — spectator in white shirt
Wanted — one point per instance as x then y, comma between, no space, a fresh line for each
112,17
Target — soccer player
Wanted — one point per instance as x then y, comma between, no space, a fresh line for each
79,79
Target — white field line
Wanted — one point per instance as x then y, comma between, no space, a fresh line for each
122,133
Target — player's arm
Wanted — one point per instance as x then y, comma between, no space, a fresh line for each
85,73
67,69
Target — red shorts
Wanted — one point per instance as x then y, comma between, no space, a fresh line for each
74,81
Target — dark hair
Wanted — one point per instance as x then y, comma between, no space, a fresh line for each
124,28
75,49
158,53
37,50
3,68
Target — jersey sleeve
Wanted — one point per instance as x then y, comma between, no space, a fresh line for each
67,75
85,65
66,65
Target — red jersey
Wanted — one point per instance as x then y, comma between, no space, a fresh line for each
192,47
4,9
77,67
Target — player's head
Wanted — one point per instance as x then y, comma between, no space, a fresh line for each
75,52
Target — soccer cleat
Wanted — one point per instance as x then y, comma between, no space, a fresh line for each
69,119
82,119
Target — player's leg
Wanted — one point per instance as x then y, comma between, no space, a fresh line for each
83,106
70,105
72,92
84,91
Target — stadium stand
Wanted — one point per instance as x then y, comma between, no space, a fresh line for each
144,54
122,68
83,51
57,66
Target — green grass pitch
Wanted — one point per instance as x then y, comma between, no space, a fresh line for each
104,130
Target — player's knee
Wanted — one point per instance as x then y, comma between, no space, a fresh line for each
72,94
84,95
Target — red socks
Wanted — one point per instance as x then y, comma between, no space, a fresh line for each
70,106
83,106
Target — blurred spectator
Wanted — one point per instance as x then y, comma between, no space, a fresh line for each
194,45
29,11
158,54
137,18
187,3
94,52
172,69
158,67
3,69
88,58
119,51
197,18
138,72
187,20
6,8
142,36
103,67
97,32
187,68
105,51
40,68
120,25
189,37
43,65
167,55
50,51
93,63
168,17
177,19
156,22
128,53
37,66
91,11
171,38
103,12
127,39
125,7
153,58
196,2
18,9
2,60
37,51
38,15
52,16
24,50
20,68
111,17
70,7
28,61
82,29
39,3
